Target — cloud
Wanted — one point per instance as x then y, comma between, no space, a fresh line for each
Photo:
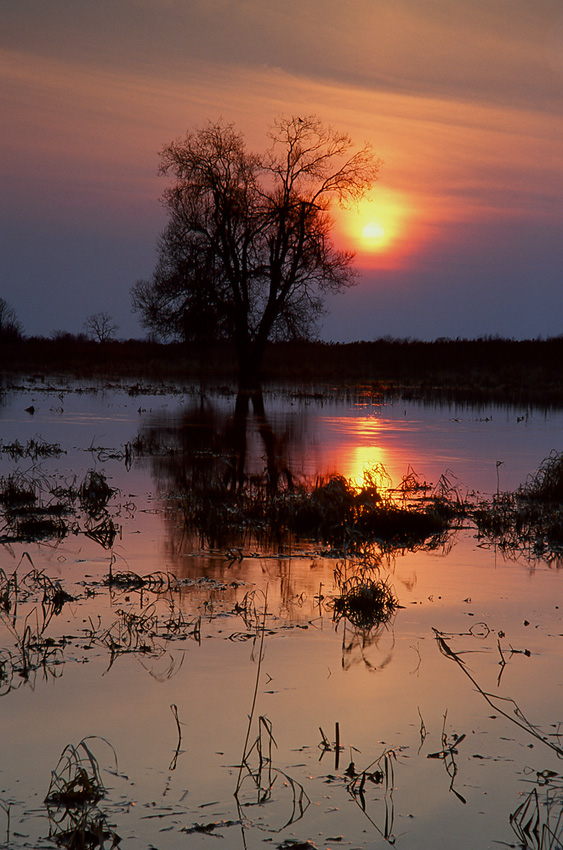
460,99
504,51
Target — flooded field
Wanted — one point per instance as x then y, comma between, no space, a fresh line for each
172,677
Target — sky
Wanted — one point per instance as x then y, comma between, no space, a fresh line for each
461,236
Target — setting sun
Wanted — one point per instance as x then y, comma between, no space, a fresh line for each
373,232
376,229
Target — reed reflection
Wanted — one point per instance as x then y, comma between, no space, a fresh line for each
372,648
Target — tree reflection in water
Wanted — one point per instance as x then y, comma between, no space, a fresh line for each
208,457
239,502
207,444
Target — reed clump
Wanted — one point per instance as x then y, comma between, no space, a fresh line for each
77,780
401,527
95,493
27,517
332,510
17,492
547,483
35,507
365,603
528,521
76,787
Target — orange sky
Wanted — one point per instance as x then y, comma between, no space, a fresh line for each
462,102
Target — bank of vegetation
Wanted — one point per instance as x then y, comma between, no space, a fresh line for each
518,371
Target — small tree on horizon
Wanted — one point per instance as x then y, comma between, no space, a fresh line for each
247,255
11,329
100,327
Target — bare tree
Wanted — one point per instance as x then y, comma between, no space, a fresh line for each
11,329
100,327
247,254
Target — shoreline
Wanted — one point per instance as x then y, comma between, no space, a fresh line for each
509,371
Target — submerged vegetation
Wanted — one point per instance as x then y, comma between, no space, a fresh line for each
34,506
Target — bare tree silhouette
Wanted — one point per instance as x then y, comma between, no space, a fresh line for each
247,255
10,327
100,326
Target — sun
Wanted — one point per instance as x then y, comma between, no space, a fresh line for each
373,232
379,231
373,228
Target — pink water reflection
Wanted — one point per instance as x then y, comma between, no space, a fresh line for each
477,448
376,685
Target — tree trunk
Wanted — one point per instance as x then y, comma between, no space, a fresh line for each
250,364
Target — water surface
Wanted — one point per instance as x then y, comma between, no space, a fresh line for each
115,659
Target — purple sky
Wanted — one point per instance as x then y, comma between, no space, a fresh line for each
462,100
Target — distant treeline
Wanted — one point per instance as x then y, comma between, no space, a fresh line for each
513,370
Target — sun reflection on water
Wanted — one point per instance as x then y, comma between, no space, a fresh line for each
363,444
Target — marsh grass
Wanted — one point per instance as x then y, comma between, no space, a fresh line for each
259,779
380,776
129,632
332,511
28,603
447,755
538,824
144,631
77,780
505,706
75,789
156,582
6,808
103,532
36,508
95,493
529,521
253,610
18,492
336,513
35,449
546,485
365,603
81,828
26,516
147,617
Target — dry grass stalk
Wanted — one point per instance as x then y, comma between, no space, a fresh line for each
515,715
76,780
380,773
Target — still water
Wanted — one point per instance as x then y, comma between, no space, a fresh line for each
170,683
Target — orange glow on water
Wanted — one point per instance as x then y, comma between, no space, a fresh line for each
357,461
360,451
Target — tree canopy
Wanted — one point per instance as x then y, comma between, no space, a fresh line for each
247,254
